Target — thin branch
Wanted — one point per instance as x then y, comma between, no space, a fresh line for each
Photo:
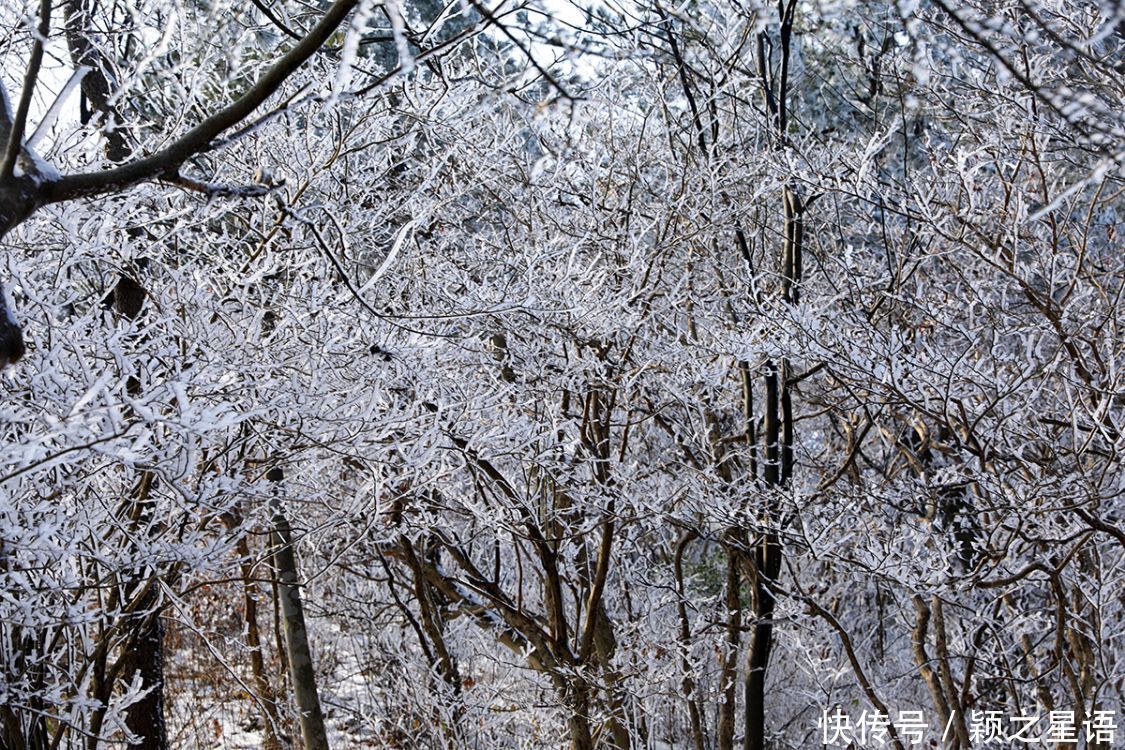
324,248
52,115
19,124
59,454
275,20
978,36
168,160
488,16
849,650
217,190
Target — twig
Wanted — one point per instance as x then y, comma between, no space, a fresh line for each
15,135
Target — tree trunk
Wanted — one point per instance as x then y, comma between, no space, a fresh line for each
144,651
266,701
766,568
145,659
578,723
296,635
687,685
728,670
17,202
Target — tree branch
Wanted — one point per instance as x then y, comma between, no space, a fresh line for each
167,161
19,124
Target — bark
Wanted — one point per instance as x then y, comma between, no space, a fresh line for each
16,204
24,726
778,418
432,629
598,644
728,669
577,698
296,634
266,700
687,685
13,729
945,673
143,657
145,660
605,650
21,194
101,684
922,660
765,570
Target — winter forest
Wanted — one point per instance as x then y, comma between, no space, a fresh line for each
553,374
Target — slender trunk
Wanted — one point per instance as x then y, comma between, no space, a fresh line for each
778,470
597,644
101,683
687,685
728,669
266,699
23,727
763,570
13,729
17,202
929,676
296,634
766,568
945,673
431,628
605,649
144,651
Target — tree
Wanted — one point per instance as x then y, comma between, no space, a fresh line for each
112,682
27,182
716,374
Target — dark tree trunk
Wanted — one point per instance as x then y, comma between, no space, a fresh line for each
296,634
145,659
144,651
17,202
728,670
578,723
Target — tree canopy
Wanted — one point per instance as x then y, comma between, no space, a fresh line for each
627,375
